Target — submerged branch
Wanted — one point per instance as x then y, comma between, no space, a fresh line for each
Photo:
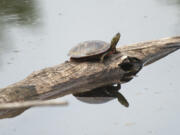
26,104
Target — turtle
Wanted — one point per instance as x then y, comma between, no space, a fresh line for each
102,95
94,49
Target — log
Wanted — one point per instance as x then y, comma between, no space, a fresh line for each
73,77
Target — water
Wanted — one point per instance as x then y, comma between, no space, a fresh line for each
35,34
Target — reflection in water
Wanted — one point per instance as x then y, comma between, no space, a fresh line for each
15,13
18,11
131,66
102,95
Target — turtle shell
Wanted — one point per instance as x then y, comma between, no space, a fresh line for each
95,100
98,95
88,49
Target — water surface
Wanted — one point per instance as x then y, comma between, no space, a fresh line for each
35,34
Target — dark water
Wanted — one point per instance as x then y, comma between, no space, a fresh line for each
35,34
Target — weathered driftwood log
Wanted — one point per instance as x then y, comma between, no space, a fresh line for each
73,77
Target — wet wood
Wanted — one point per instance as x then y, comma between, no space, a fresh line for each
73,77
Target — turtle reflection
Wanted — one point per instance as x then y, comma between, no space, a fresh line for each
102,95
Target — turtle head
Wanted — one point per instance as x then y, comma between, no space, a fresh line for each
114,41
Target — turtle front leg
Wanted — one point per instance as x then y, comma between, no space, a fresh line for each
103,56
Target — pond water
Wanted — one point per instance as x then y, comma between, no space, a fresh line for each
35,34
